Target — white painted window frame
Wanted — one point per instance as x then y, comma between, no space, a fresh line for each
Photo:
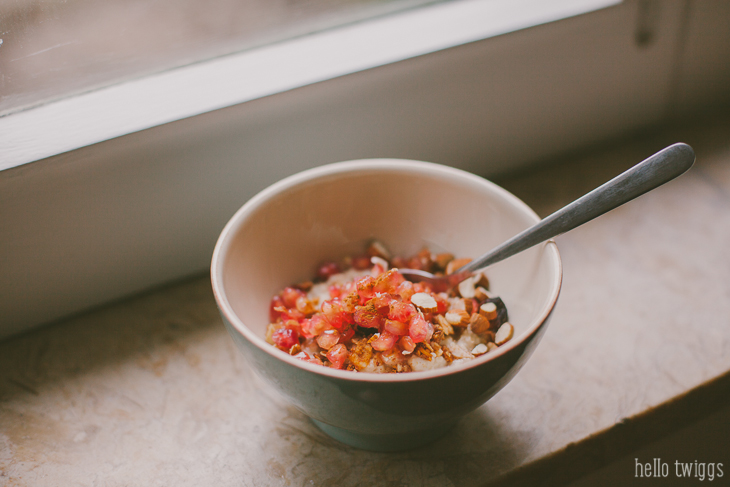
78,121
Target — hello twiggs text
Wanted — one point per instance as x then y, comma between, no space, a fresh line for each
699,470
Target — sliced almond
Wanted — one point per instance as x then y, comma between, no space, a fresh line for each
489,311
504,333
480,349
466,288
457,303
491,346
469,306
375,260
478,324
457,317
445,325
376,248
481,294
456,264
424,302
480,279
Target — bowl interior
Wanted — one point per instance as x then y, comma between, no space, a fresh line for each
280,236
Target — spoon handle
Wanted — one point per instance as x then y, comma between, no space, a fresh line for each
658,169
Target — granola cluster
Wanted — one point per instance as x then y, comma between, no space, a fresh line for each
363,315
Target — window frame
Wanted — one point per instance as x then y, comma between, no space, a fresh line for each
77,121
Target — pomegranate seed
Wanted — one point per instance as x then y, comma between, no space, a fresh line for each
328,339
388,282
405,290
305,306
350,301
442,305
361,262
367,317
400,311
335,291
422,287
314,326
381,300
385,341
365,288
420,330
337,356
289,314
290,295
285,338
334,314
347,334
406,344
294,325
396,327
327,269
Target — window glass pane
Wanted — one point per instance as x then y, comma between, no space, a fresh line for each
53,48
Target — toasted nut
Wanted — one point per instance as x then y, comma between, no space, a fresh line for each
457,317
491,346
375,260
424,302
270,329
469,305
456,264
466,288
445,325
360,355
504,333
457,303
295,349
480,349
403,368
480,279
481,294
447,356
478,324
424,351
442,260
489,311
438,333
376,248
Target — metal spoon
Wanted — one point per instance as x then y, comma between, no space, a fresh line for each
651,173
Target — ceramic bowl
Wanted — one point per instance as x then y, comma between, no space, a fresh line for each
279,236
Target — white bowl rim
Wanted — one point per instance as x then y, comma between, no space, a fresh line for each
344,167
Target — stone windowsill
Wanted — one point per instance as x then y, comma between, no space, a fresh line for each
151,390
